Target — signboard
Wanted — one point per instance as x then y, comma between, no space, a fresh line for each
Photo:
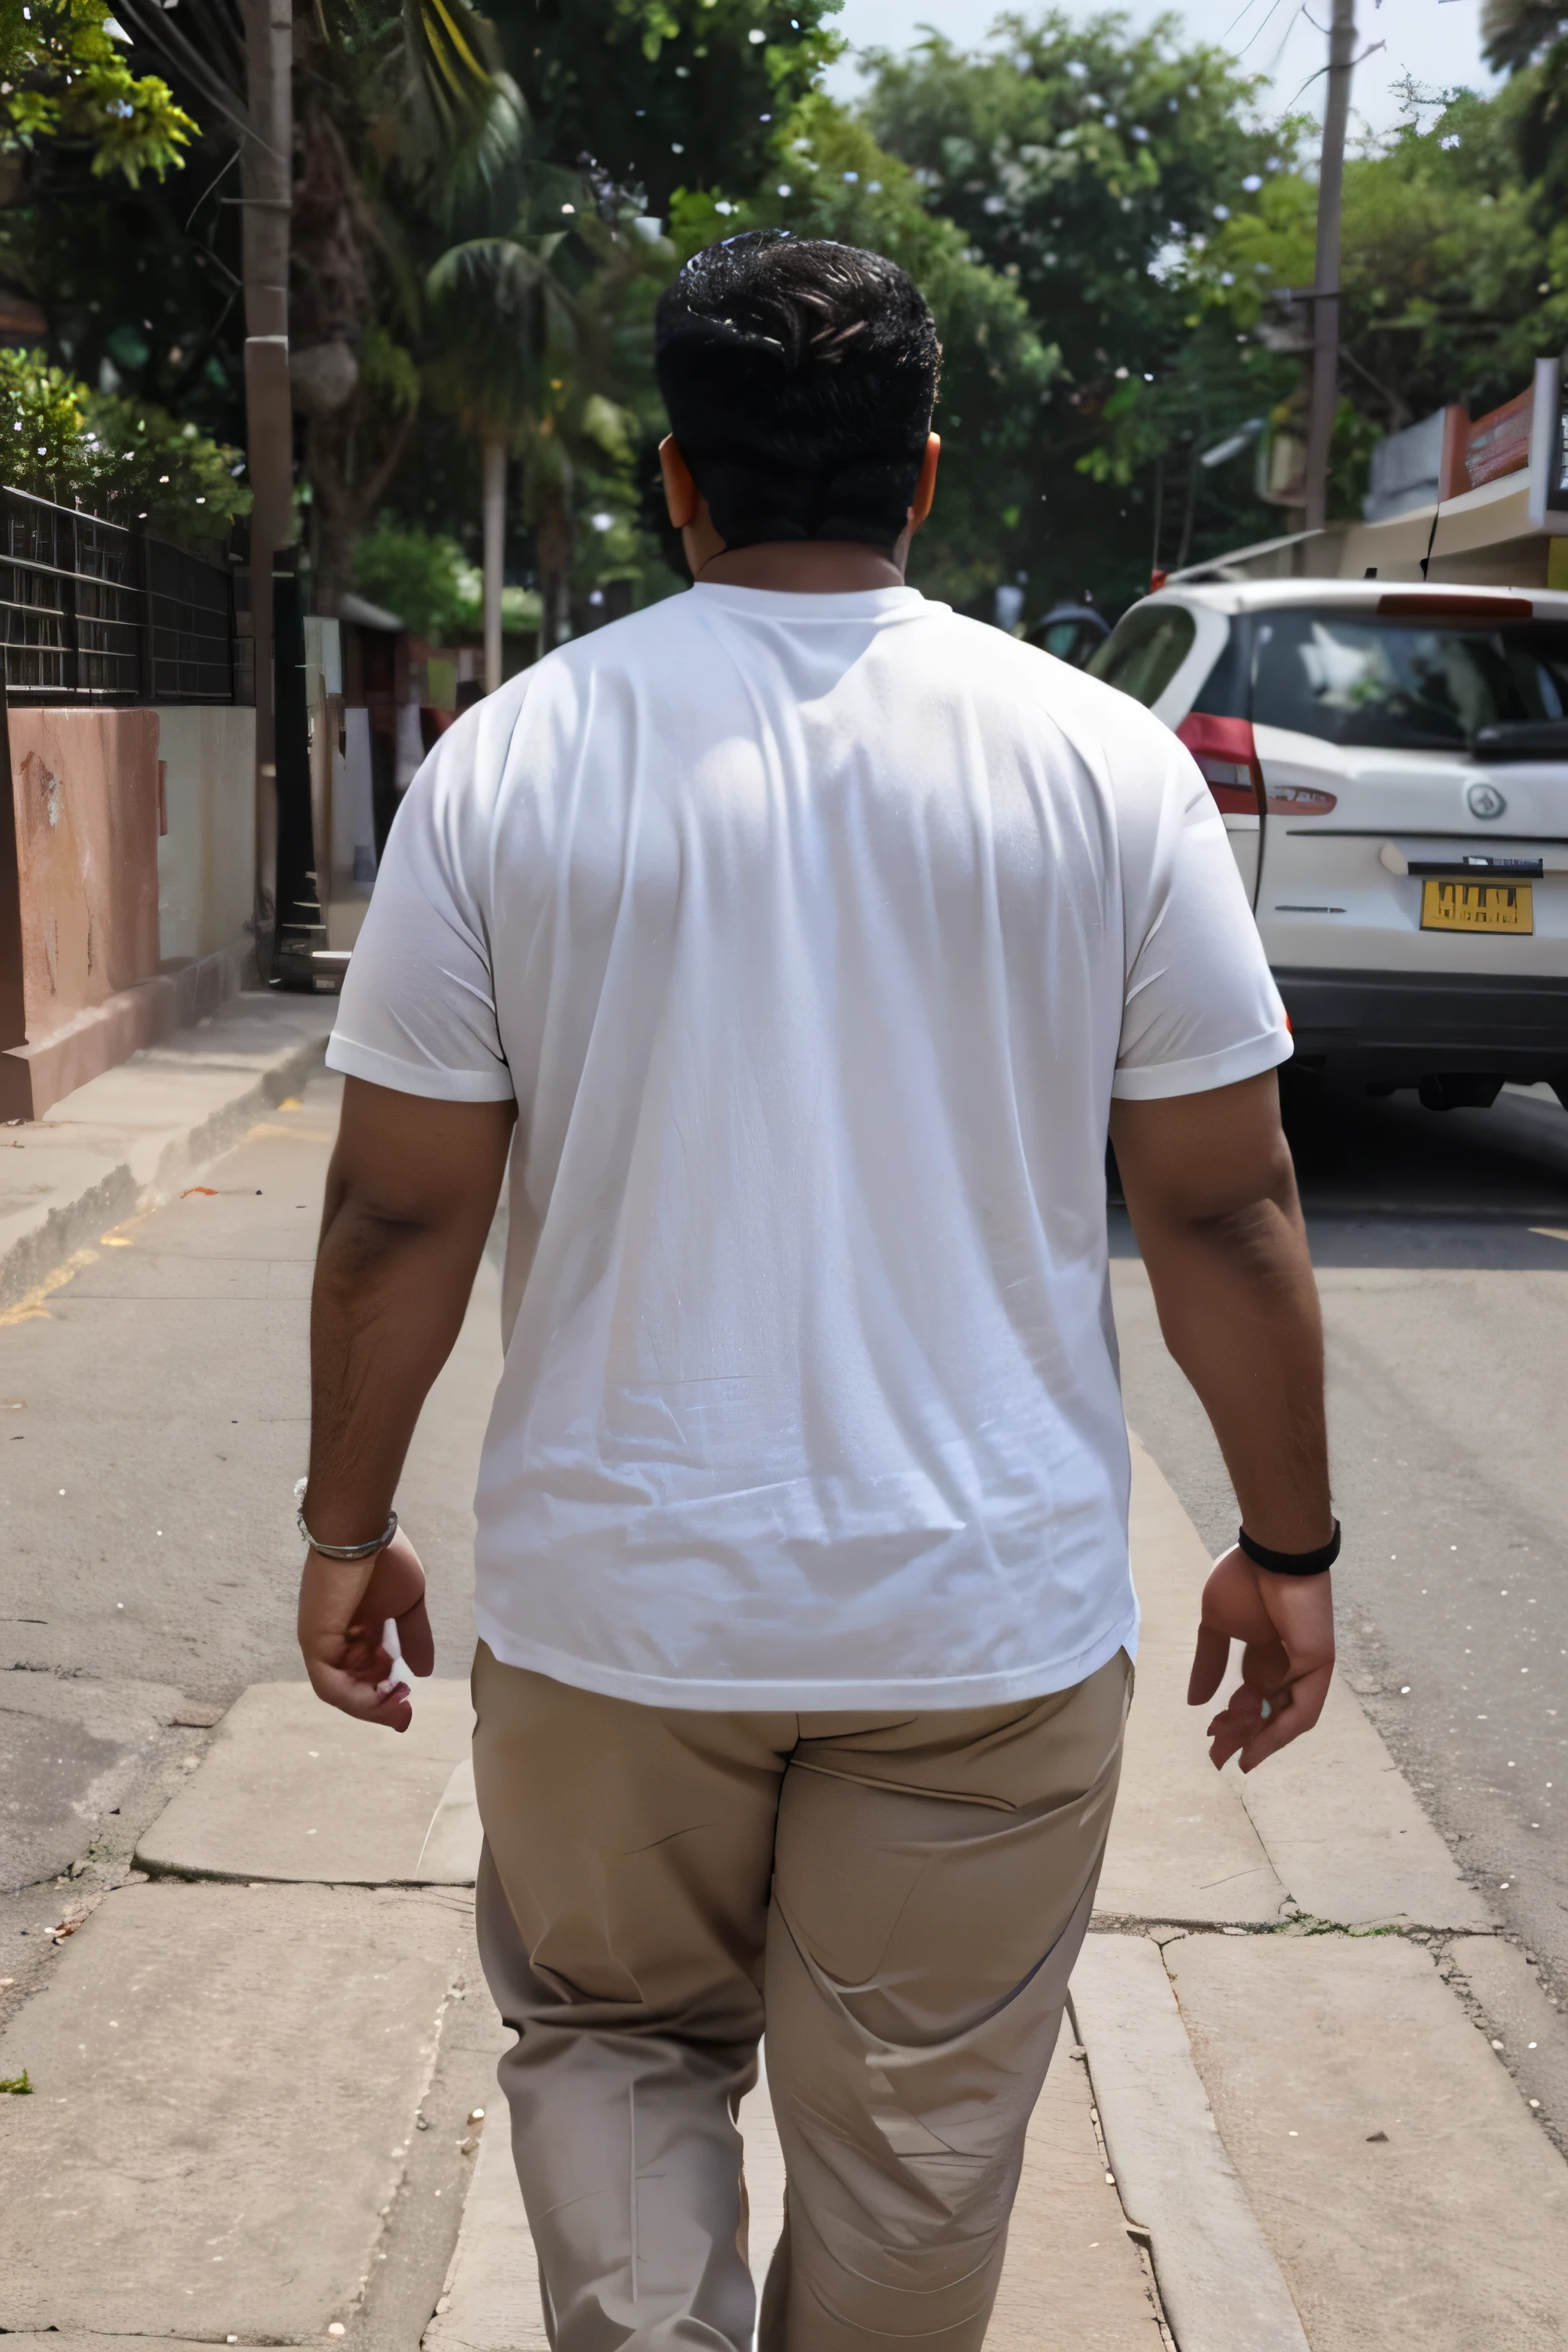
1500,442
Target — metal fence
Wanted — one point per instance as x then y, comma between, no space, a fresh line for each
91,612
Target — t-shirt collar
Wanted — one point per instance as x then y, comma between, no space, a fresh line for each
790,605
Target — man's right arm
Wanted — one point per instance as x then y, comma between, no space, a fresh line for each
411,1191
1212,1194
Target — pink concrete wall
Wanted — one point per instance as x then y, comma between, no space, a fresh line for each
85,784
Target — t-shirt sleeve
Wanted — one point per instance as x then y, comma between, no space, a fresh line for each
419,1011
1200,1007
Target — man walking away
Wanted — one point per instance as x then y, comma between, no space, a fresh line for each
798,940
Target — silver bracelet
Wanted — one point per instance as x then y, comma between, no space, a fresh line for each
347,1551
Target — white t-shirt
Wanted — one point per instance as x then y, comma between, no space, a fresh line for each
812,935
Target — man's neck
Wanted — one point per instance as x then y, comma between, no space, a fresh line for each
805,567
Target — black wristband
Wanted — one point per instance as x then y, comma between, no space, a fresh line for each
1291,1563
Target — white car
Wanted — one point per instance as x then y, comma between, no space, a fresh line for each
1391,764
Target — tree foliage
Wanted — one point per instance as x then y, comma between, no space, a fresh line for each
1089,164
421,576
1449,287
486,204
661,95
64,76
1125,184
126,459
544,291
140,284
410,133
1529,38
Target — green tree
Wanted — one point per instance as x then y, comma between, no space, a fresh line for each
1529,39
42,423
509,334
1091,165
421,576
625,103
1452,281
660,95
64,76
161,469
129,460
405,122
141,285
628,102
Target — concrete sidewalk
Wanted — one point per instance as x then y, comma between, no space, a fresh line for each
1279,2125
131,1138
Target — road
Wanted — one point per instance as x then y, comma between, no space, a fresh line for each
152,1420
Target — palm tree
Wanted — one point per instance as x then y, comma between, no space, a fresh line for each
403,115
509,326
406,118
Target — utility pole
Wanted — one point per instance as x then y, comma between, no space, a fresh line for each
494,486
1325,387
266,177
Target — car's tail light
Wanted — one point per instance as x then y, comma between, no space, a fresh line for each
1226,754
1300,800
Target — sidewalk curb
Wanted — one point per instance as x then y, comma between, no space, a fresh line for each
110,1160
292,1793
1219,2281
490,2300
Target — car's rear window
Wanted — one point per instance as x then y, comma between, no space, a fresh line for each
1389,684
1145,650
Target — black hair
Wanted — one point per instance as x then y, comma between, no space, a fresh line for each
799,378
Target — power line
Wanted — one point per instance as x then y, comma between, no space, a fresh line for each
1262,28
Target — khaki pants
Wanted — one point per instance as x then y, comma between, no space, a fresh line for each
914,1889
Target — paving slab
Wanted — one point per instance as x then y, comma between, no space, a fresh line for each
225,2081
1182,1846
490,2302
1346,1834
1409,2195
295,1791
1072,2274
129,1135
765,2167
1329,1826
1219,2281
450,1854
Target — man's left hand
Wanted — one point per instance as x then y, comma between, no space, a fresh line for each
1286,1624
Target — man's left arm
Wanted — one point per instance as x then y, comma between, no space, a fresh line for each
411,1191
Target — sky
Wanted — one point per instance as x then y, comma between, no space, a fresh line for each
1437,41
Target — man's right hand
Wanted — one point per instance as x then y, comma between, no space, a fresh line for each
1286,1626
343,1608
411,1192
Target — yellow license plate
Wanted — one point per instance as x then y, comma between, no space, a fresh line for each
1477,906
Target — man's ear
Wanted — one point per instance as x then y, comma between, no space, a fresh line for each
925,488
681,492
